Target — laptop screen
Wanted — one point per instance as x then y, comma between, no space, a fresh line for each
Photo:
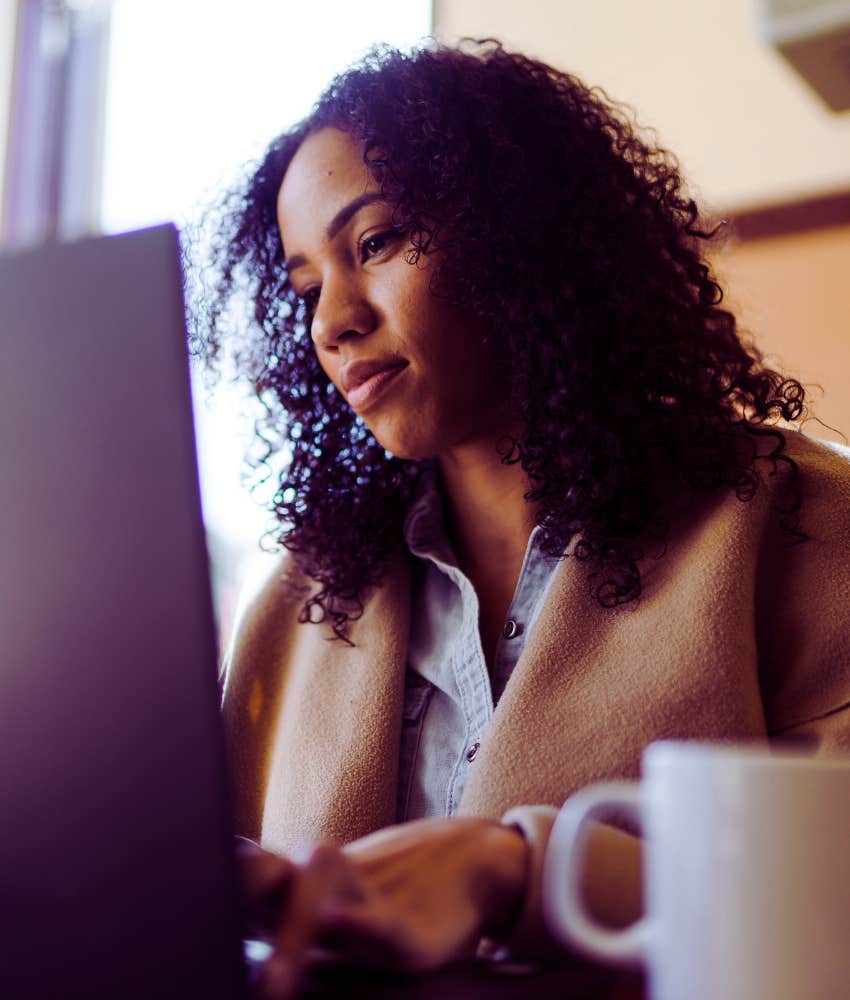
115,863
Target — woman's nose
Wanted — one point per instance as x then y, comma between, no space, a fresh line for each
341,312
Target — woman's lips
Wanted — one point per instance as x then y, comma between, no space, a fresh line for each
363,393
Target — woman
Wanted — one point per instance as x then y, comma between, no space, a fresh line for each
543,506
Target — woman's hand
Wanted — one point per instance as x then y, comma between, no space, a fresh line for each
410,897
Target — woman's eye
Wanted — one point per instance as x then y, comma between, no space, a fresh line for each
372,246
310,298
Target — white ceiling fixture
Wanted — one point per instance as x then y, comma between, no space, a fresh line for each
814,37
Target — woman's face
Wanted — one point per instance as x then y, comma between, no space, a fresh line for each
413,366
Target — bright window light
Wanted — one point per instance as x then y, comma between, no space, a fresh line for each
196,89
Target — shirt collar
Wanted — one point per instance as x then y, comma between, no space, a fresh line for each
425,523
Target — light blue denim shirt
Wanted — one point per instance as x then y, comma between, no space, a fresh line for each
449,694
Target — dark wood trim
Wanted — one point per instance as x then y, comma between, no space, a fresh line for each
790,217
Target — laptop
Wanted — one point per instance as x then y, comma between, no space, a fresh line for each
117,875
116,869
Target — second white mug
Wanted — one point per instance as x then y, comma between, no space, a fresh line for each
746,871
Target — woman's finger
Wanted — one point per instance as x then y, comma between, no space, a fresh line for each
261,872
361,935
325,879
265,881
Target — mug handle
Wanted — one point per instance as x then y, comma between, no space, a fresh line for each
563,908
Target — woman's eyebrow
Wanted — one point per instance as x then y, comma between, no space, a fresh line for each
343,216
348,212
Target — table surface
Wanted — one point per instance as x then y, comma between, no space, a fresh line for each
487,980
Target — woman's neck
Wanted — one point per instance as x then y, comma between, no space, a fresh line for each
488,519
488,523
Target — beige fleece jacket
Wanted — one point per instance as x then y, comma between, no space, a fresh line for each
738,635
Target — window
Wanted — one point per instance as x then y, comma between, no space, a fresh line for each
195,89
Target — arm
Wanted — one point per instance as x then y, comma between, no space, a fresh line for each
612,885
423,894
412,897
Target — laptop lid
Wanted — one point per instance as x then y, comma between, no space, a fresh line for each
116,874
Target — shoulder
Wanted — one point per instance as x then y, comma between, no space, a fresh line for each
270,600
271,620
254,673
824,469
803,592
804,486
823,475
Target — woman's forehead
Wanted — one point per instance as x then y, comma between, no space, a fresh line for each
325,175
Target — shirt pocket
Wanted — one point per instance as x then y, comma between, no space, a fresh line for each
417,694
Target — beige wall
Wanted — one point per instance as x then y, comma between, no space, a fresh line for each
794,292
8,9
745,127
747,132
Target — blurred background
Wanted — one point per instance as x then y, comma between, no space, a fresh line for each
171,98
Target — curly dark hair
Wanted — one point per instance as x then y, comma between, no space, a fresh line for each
569,231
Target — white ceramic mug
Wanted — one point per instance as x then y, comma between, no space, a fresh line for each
746,874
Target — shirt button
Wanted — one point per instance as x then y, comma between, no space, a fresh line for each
472,751
512,629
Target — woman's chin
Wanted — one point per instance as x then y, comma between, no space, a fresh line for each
409,446
408,453
407,441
